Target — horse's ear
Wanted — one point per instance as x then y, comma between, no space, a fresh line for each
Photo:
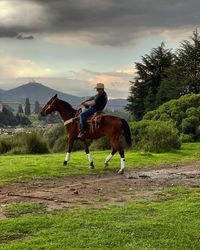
55,96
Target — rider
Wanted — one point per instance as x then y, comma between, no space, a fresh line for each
99,102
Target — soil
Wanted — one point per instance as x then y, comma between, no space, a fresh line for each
101,189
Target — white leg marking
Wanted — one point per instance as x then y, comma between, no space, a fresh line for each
67,156
123,163
89,157
108,158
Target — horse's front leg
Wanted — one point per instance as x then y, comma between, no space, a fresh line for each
83,142
70,145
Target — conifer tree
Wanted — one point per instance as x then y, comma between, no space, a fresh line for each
27,107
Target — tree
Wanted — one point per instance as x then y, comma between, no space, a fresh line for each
183,77
37,107
27,107
150,74
20,109
189,60
136,100
149,102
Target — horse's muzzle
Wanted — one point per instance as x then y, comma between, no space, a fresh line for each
42,113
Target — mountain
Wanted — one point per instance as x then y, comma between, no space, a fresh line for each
38,92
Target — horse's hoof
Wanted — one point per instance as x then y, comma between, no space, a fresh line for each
105,165
65,163
91,165
121,171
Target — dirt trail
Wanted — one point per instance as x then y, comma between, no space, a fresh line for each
100,189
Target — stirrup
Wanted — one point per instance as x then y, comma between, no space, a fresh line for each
81,133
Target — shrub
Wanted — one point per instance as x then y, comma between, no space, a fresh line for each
29,144
52,134
5,145
190,124
154,136
60,144
186,138
35,144
182,113
100,144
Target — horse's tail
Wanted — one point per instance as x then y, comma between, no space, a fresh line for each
127,132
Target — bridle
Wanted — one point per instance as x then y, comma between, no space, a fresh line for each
49,106
54,109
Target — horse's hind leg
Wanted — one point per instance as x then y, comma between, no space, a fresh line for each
116,145
83,142
109,157
121,152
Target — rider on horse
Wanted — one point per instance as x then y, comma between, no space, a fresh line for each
99,102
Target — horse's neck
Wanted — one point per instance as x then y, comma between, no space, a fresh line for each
65,113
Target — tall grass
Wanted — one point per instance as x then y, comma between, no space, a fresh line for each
24,144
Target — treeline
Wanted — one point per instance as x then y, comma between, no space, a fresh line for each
52,118
7,118
164,75
27,109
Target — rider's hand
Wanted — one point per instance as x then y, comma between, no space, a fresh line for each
82,103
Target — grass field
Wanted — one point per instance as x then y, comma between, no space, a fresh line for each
169,221
23,168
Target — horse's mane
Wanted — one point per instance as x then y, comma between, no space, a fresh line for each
69,106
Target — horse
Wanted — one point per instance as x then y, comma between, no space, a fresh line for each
111,127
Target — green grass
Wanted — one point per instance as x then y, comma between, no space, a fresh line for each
170,223
23,168
15,210
101,199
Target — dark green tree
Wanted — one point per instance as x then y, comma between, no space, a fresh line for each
20,109
183,77
149,102
150,72
27,107
136,100
37,107
189,61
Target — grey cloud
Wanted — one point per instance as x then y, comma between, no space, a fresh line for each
114,22
22,37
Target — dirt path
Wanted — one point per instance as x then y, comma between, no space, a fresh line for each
100,189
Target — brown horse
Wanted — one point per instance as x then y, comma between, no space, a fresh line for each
111,127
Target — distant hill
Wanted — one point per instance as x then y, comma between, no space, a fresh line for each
38,92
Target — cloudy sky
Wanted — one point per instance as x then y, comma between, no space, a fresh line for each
70,45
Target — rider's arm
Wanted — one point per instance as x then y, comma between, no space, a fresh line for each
89,99
92,103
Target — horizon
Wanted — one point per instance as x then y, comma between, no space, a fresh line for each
37,83
71,46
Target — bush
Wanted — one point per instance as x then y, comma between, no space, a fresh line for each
186,138
189,125
154,136
35,144
182,113
5,145
29,144
100,144
52,134
60,144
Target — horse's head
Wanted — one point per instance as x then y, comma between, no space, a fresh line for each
49,107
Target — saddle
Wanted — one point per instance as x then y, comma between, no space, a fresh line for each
94,120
